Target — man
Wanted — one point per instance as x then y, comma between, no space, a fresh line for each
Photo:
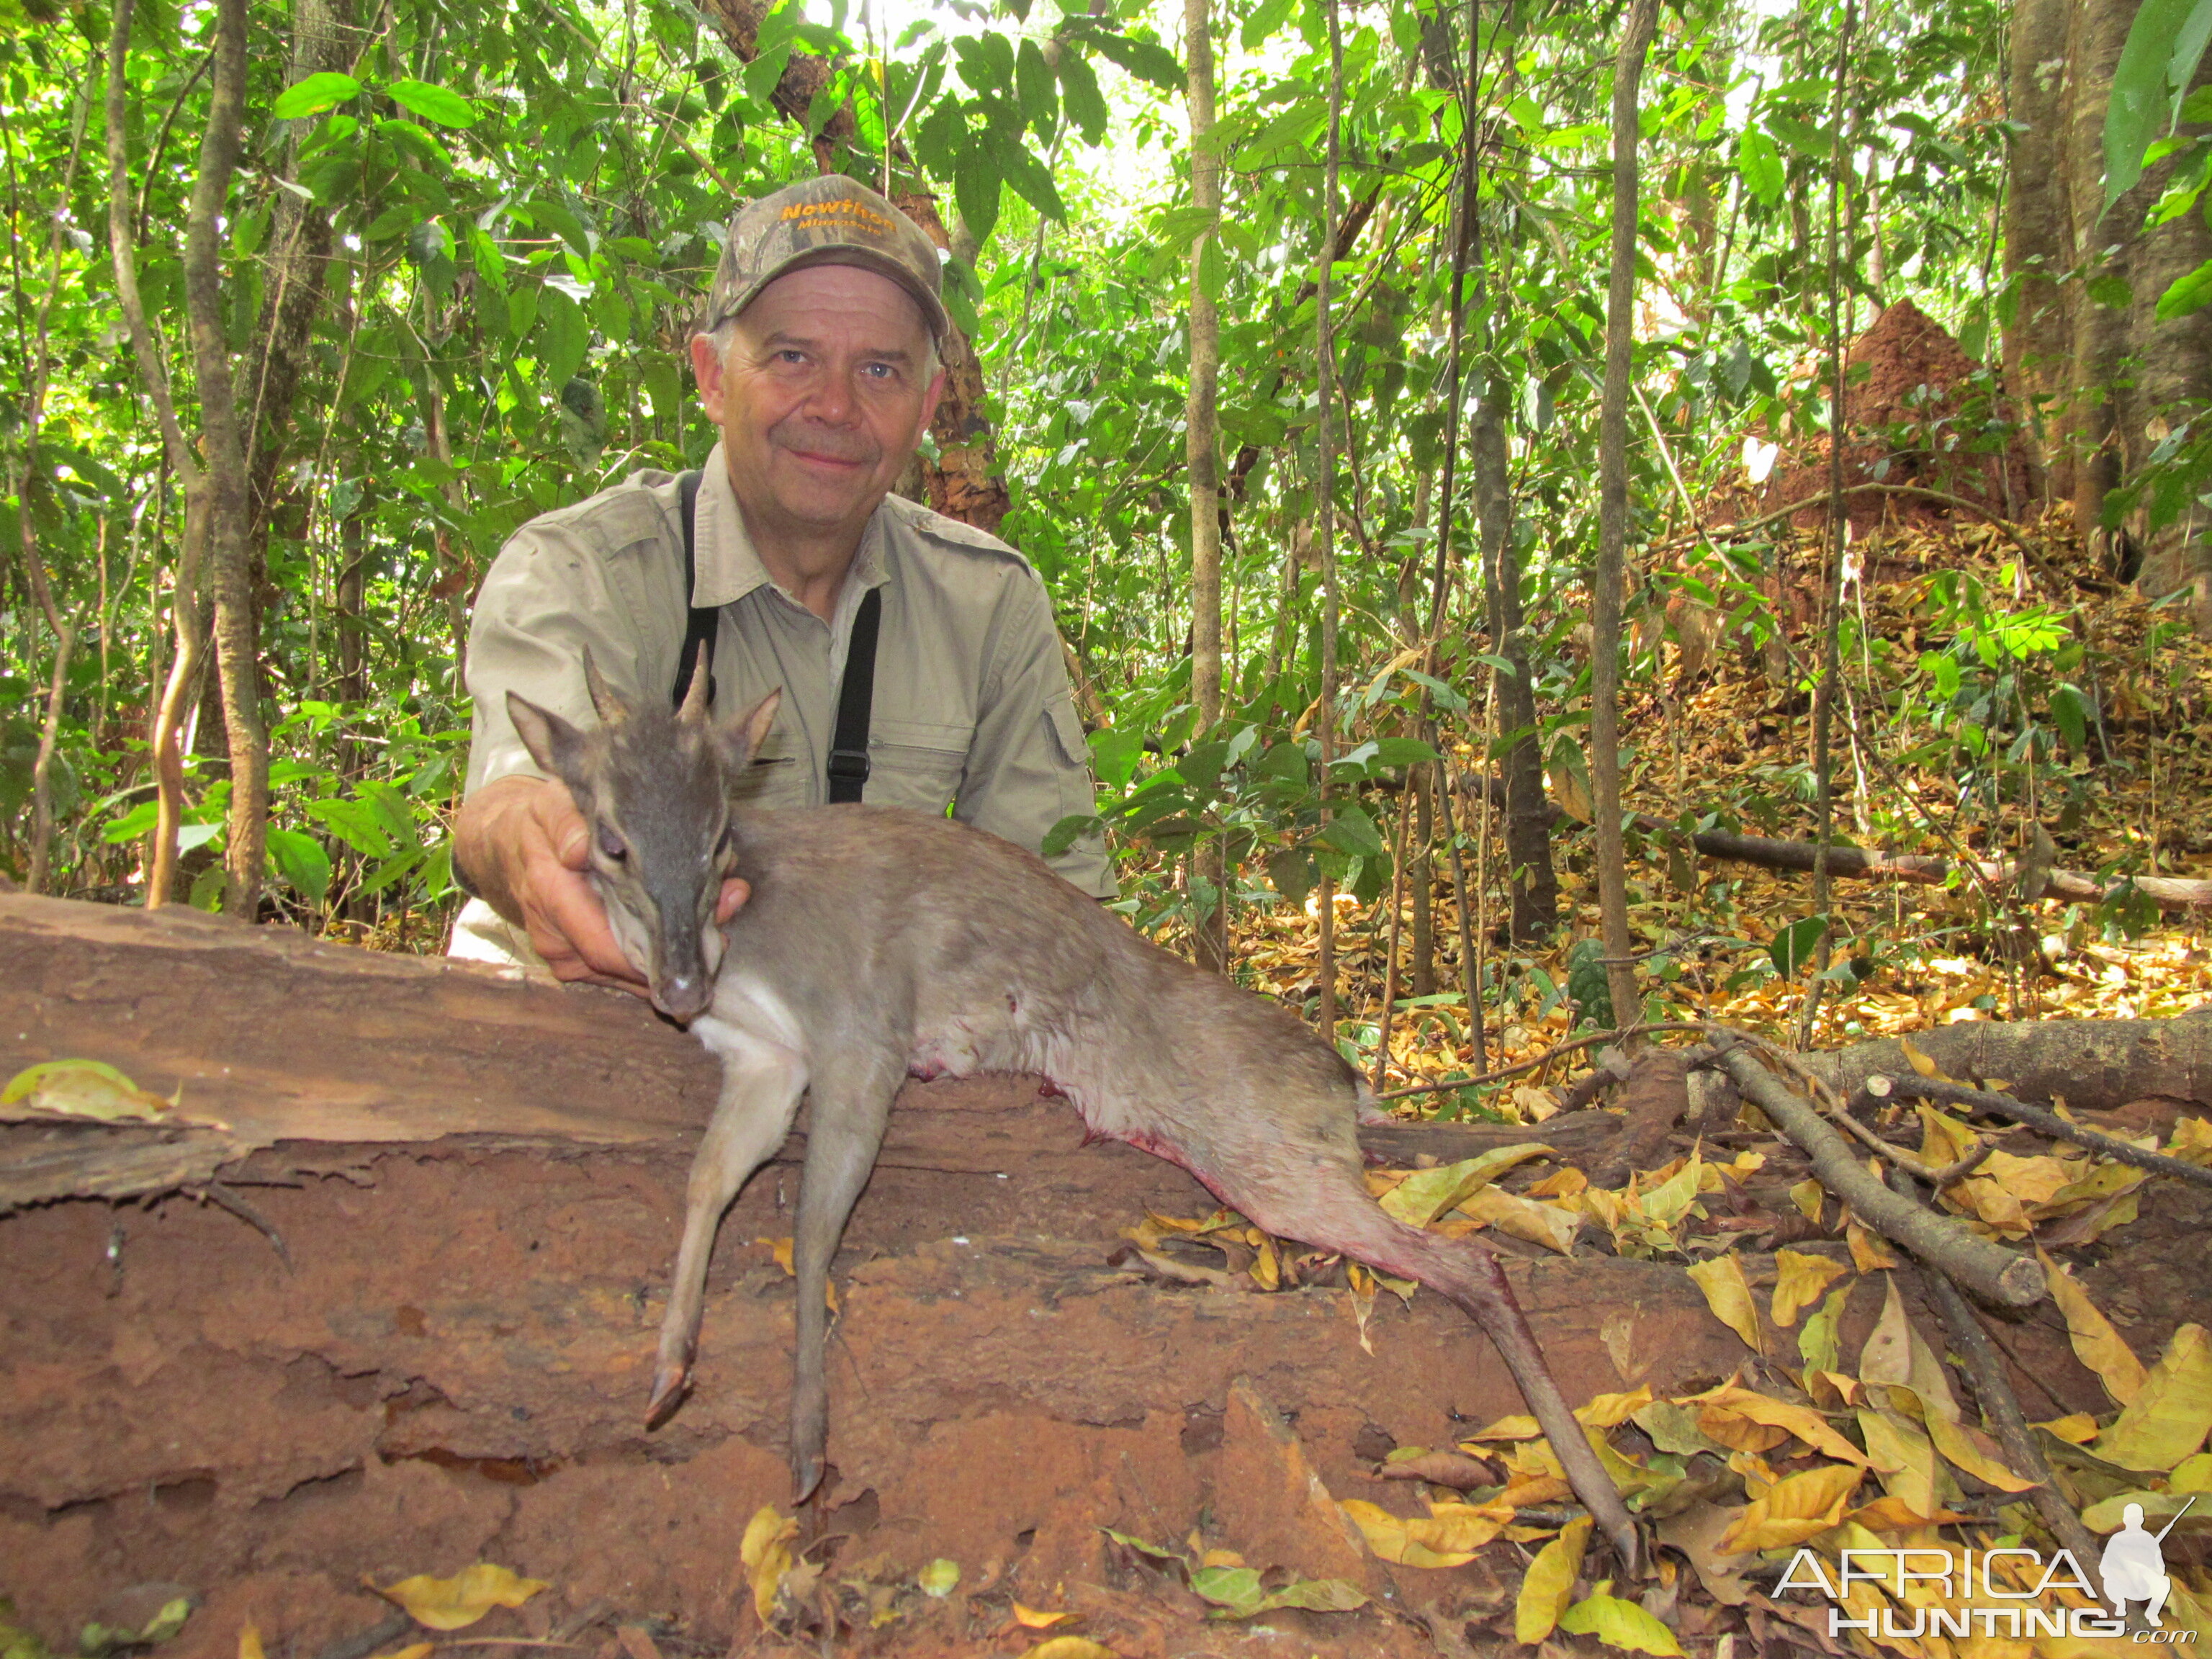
817,357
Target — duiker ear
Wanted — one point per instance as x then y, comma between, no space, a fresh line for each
740,739
556,745
610,708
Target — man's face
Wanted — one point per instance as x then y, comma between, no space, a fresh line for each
822,399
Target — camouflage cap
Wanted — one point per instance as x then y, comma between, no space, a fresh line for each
828,221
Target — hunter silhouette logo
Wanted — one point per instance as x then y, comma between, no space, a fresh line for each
2133,1565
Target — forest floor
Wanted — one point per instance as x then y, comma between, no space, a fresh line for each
446,1363
2135,798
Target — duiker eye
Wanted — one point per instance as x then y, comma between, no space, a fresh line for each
612,845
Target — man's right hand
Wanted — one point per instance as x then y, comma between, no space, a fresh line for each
526,848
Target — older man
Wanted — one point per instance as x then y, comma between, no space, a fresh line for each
788,563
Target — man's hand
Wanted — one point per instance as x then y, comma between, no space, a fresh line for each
526,847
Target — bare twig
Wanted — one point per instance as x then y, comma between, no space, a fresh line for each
1989,1269
1987,1372
2038,1117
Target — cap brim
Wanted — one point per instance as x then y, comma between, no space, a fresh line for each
933,315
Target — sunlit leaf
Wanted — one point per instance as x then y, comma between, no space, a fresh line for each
1618,1623
1549,1584
1726,1293
2096,1343
456,1603
2170,1414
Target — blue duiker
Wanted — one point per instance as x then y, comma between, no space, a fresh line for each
880,944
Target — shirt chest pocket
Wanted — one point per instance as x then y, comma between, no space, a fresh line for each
916,765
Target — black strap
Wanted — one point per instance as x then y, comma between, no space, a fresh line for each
699,619
848,749
856,694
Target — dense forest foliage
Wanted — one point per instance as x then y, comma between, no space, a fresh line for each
313,304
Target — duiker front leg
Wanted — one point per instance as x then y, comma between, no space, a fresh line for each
762,1082
851,1103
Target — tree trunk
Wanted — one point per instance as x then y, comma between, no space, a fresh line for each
1614,521
1202,456
2129,379
2039,232
224,501
1325,493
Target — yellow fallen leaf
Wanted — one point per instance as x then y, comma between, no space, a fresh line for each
1792,1509
1523,1218
1033,1619
2191,1474
1721,1277
456,1603
1920,1062
2096,1344
2169,1419
765,1550
2078,1430
780,1248
1608,1411
85,1089
939,1578
1799,1281
1619,1623
1809,1196
2192,1140
1518,1426
1427,1194
1870,1253
1905,1458
1965,1447
249,1641
1820,1345
1895,1354
1549,1584
1069,1647
1808,1425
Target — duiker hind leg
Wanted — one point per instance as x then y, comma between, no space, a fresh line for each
851,1103
762,1082
1330,1208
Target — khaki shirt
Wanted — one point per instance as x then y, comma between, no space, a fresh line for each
972,709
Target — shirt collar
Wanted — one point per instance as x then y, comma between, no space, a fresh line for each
728,565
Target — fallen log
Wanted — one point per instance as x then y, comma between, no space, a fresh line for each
2167,892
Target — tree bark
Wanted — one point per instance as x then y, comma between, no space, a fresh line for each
2039,232
1325,492
173,696
1613,513
224,501
1202,459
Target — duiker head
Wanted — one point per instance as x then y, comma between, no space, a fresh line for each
653,788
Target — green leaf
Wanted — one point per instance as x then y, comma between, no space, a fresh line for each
1795,944
1236,1591
2158,61
1351,830
432,104
563,336
299,858
1069,830
1031,179
1147,60
314,94
1759,162
975,190
1403,751
1080,97
2070,710
1115,754
2189,292
1619,1623
1033,90
1292,872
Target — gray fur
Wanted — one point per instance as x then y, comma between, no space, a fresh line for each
879,943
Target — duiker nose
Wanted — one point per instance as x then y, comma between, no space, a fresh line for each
683,996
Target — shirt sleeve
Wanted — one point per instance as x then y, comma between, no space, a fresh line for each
1029,767
551,595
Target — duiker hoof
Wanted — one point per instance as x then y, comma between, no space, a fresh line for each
670,1384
